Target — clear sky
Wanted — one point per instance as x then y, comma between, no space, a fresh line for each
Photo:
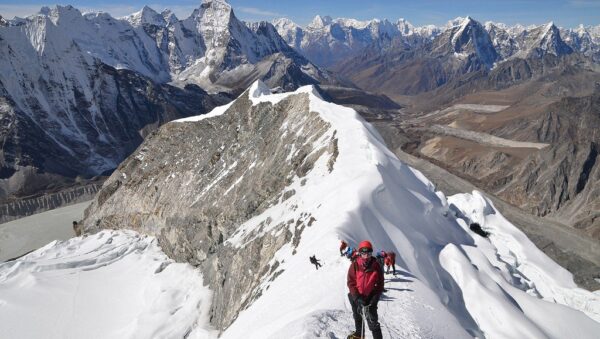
565,13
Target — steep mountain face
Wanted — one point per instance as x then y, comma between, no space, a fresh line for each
198,50
232,49
562,180
585,40
326,41
80,92
63,125
503,38
249,191
467,40
542,40
248,158
215,50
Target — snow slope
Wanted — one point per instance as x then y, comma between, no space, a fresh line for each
451,282
107,285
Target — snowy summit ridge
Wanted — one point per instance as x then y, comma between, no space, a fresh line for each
250,232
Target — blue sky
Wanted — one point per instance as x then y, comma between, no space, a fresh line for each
566,13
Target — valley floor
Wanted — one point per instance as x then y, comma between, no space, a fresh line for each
27,234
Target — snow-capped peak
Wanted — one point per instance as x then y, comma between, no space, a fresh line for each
455,22
285,24
405,27
219,4
61,14
320,22
147,16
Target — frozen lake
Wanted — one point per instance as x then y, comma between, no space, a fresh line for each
26,234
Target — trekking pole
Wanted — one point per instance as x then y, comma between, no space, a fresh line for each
364,318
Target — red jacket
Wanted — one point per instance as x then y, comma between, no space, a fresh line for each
390,259
365,278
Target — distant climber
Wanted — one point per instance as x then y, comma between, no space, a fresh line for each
77,228
365,283
313,260
343,246
390,262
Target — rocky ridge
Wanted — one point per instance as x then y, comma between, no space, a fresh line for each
239,180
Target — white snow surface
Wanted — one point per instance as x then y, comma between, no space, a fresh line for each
451,283
113,284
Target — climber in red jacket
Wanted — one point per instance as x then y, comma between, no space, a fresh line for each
390,262
365,282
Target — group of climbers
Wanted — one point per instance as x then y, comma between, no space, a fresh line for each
386,259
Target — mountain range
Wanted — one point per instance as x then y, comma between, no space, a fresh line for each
79,92
327,41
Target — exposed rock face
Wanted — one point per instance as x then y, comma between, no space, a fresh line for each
192,184
83,127
467,40
543,40
585,40
563,180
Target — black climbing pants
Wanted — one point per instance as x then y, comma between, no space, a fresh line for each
370,314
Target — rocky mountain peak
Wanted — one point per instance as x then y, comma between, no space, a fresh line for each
216,6
147,16
320,22
285,23
544,39
468,37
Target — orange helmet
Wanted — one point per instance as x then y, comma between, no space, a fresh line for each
365,244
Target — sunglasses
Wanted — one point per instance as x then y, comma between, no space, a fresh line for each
365,251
